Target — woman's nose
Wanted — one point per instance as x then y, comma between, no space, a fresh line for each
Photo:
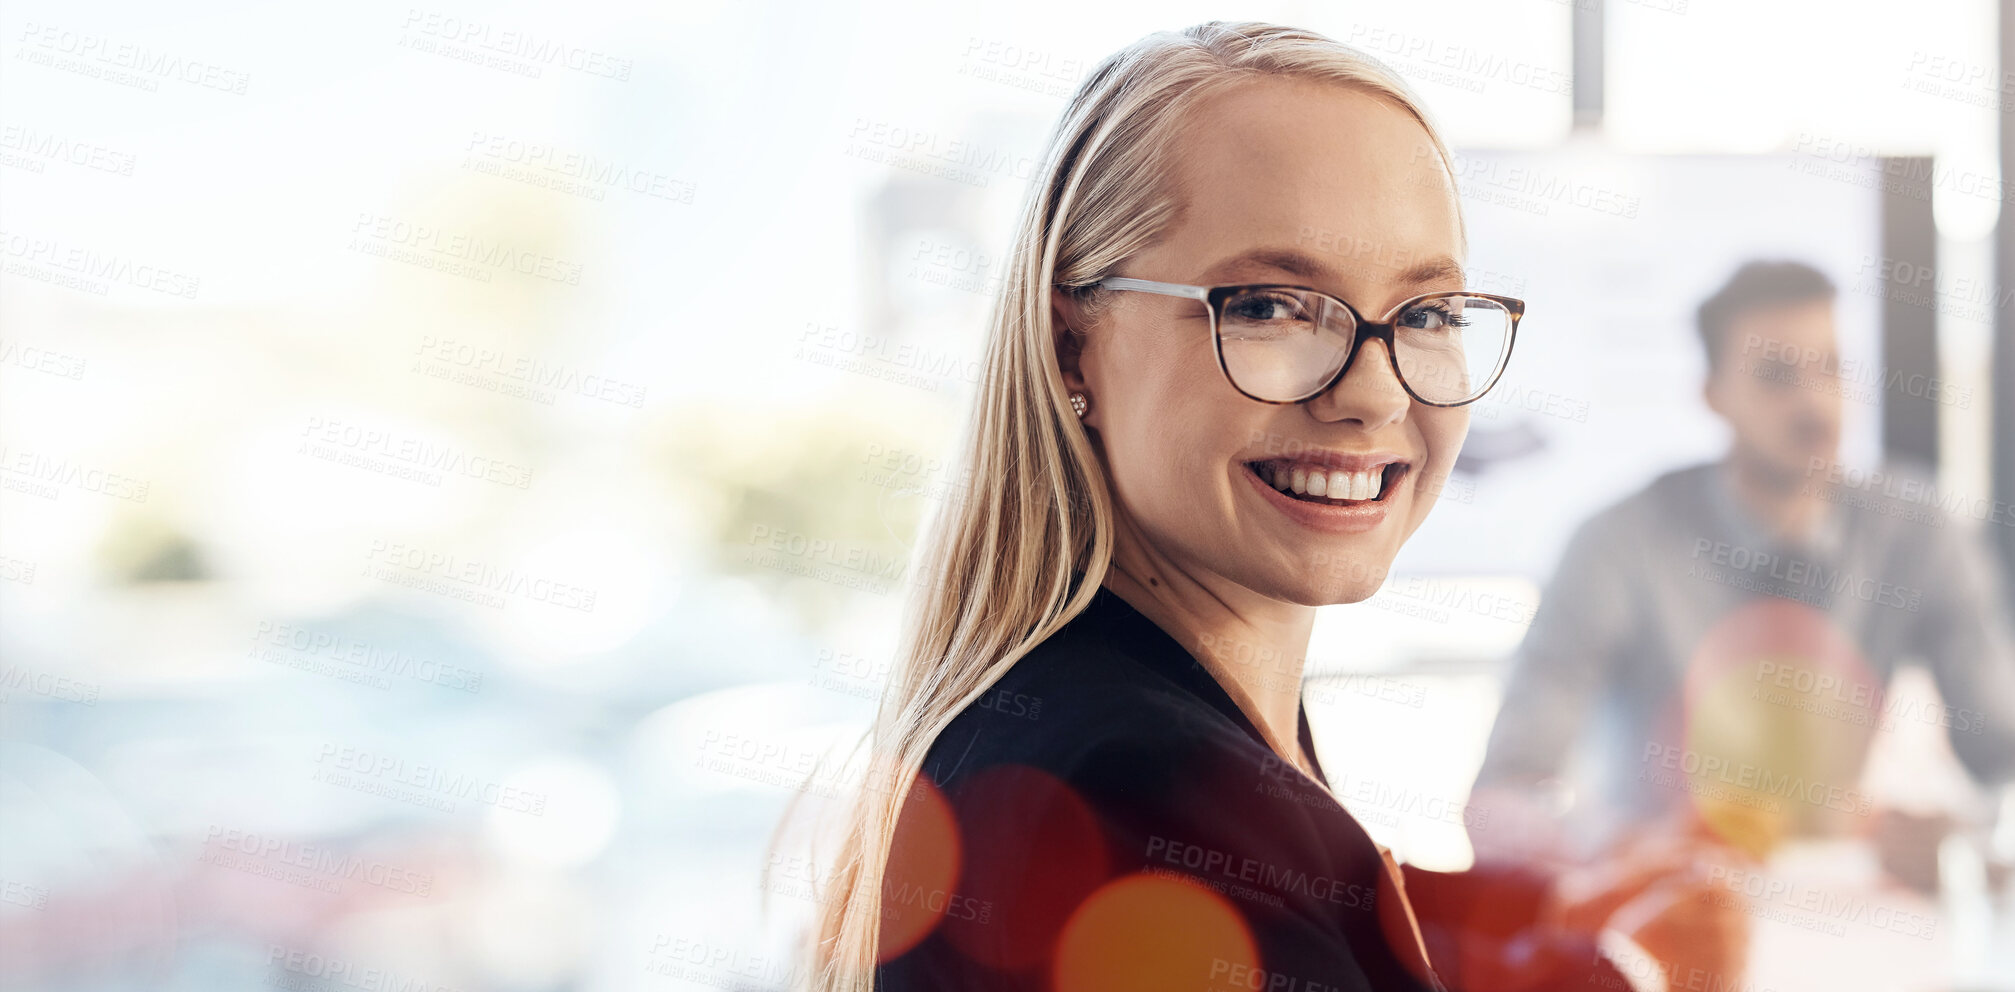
1368,392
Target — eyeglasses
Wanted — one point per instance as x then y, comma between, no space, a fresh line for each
1288,344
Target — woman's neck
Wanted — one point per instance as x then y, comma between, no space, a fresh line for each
1255,647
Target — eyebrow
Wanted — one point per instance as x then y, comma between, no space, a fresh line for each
1433,270
1305,266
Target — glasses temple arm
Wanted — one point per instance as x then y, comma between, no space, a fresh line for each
1201,293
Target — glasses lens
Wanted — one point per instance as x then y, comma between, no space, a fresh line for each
1449,347
1281,344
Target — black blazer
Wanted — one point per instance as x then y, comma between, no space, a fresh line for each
1107,817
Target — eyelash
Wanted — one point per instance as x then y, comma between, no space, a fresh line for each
1448,316
1278,299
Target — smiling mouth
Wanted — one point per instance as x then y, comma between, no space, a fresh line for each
1325,486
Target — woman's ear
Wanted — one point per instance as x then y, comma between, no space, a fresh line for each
1067,317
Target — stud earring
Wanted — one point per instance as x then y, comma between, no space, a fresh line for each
1079,403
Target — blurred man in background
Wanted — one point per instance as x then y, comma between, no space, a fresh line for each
1721,642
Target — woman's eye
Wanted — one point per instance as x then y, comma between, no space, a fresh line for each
1433,317
1267,308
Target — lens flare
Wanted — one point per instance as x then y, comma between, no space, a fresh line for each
1151,933
1779,710
1019,905
923,867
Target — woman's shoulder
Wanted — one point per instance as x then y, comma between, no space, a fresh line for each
1070,698
1091,775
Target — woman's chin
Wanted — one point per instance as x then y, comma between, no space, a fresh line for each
1308,587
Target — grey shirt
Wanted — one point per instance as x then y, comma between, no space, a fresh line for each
1694,655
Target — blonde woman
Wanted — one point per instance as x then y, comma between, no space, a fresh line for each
1225,380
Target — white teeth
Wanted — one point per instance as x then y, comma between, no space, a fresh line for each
1334,484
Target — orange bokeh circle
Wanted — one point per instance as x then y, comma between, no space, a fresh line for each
1152,932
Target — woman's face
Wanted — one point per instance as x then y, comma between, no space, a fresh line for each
1287,181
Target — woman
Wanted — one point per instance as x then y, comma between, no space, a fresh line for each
1225,381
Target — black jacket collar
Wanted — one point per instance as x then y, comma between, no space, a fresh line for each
1132,633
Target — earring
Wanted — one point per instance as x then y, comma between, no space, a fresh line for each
1079,403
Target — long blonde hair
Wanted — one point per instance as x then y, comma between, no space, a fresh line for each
993,576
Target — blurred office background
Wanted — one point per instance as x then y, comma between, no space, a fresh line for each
458,464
